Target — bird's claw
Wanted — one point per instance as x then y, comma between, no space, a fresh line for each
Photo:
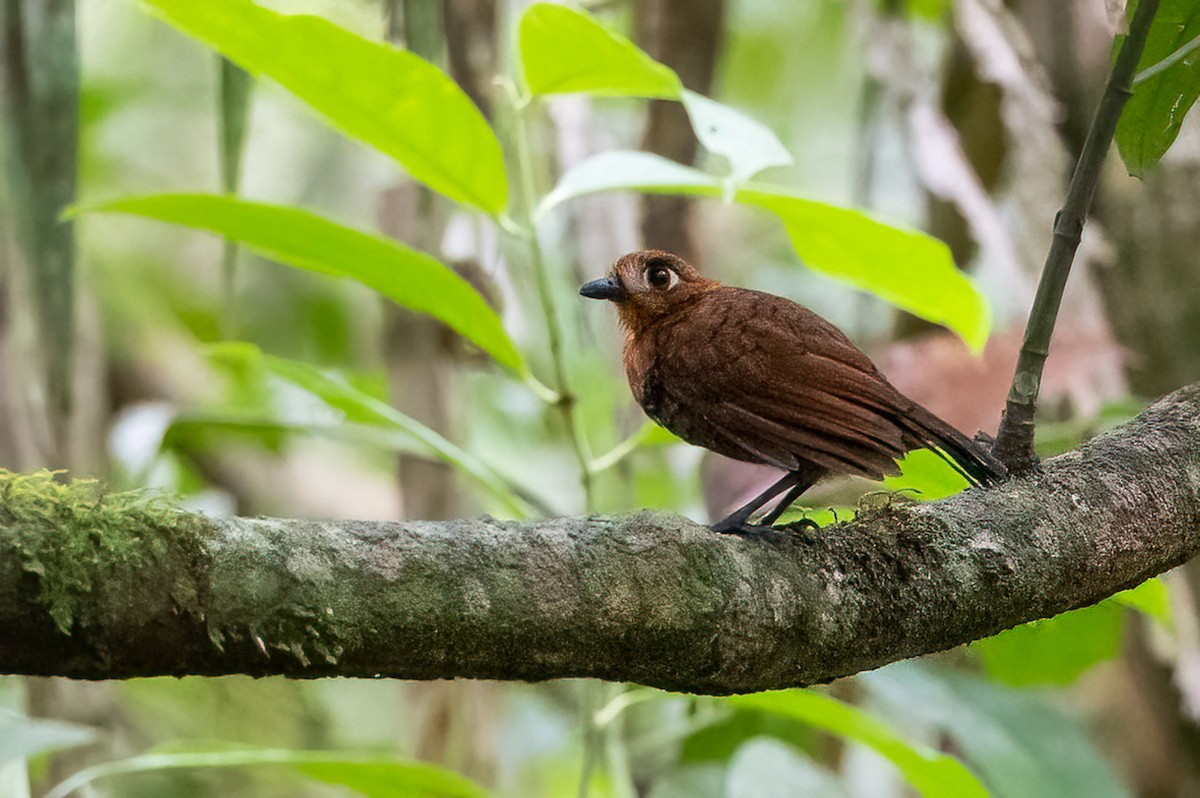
746,529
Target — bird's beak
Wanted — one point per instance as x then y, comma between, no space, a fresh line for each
604,288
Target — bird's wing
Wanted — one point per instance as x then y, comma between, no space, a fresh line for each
783,384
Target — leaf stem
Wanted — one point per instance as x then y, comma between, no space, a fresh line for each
233,104
1014,441
1168,62
566,400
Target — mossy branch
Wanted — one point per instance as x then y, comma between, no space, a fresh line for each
100,586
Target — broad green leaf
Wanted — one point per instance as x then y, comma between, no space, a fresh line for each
1160,102
925,476
307,241
564,50
392,100
389,779
1021,745
747,145
22,737
1057,650
930,772
373,776
361,408
1054,650
1149,598
911,270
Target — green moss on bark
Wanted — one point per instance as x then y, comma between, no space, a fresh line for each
73,535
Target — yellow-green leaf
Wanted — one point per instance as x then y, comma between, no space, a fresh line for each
394,101
930,772
564,50
304,240
908,268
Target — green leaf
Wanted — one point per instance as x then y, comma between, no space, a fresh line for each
911,270
374,776
361,408
564,50
1021,745
927,477
302,239
1057,650
930,772
1054,650
22,737
1154,114
747,145
392,100
1149,598
388,779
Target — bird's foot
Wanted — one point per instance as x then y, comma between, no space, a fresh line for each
734,526
747,529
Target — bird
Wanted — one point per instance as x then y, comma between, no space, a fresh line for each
760,378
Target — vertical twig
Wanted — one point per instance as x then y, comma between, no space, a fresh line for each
235,85
1014,441
41,88
527,190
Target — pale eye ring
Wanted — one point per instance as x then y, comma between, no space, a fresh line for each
660,277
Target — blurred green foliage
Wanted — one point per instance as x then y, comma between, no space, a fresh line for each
309,367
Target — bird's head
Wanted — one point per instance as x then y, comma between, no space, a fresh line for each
647,285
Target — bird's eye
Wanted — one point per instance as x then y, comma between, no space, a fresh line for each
660,277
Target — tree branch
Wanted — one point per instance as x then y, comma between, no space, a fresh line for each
141,589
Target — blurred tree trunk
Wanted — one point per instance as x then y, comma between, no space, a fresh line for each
451,721
52,395
41,122
686,36
1152,286
418,371
971,105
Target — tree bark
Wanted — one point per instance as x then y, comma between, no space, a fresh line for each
646,597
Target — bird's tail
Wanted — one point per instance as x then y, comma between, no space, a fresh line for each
966,456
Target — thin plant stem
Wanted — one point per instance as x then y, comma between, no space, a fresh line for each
591,699
234,102
617,750
1014,441
566,402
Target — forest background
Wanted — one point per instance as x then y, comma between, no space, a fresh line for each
242,376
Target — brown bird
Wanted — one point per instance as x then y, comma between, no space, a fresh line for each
759,378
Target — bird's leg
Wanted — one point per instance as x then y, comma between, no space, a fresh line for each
735,522
770,518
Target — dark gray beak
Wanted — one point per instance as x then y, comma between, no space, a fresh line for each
604,288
